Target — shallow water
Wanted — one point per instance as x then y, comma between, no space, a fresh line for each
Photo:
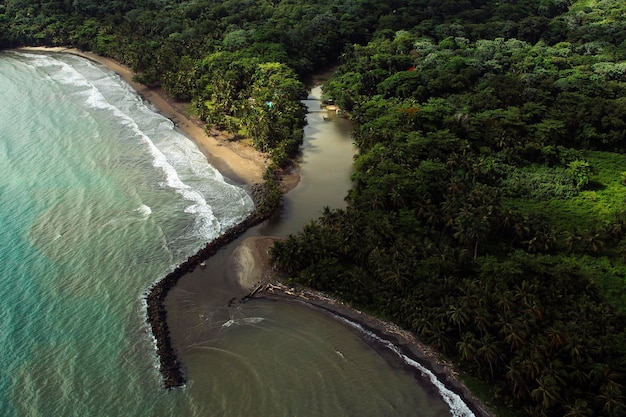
280,359
100,197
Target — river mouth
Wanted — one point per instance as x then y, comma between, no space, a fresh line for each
276,358
272,357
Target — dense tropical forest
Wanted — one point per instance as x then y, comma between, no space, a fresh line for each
487,214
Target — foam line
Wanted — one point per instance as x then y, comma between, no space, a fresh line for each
458,408
208,225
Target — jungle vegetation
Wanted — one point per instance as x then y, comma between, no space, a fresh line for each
487,209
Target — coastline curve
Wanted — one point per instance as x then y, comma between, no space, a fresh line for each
423,361
248,171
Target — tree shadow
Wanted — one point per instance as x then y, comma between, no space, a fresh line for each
595,186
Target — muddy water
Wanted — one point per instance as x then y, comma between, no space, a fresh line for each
278,358
324,167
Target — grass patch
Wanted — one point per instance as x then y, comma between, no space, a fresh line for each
610,278
590,209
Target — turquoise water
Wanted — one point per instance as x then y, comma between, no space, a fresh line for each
99,197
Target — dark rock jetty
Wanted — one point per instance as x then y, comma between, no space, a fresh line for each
169,366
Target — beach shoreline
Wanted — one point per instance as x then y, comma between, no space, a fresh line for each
236,161
405,342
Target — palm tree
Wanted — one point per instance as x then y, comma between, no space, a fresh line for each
469,290
458,316
557,338
505,301
442,341
395,276
573,240
488,352
531,367
519,385
611,399
467,347
547,393
577,350
471,228
525,293
595,242
522,229
482,320
576,374
617,229
449,208
428,212
514,336
395,195
284,254
578,409
327,217
455,187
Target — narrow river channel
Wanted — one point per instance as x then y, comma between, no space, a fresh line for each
324,167
272,358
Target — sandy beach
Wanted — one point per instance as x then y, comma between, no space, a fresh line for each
236,161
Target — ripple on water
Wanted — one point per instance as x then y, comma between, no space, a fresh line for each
279,359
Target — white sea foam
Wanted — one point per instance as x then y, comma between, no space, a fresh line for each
252,320
207,225
184,152
245,320
143,313
144,210
185,168
458,408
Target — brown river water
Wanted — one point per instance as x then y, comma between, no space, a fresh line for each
270,357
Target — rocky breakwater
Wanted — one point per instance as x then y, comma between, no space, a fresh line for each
171,369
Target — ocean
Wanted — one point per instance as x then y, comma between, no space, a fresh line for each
100,196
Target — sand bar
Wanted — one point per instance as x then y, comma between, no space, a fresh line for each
237,161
